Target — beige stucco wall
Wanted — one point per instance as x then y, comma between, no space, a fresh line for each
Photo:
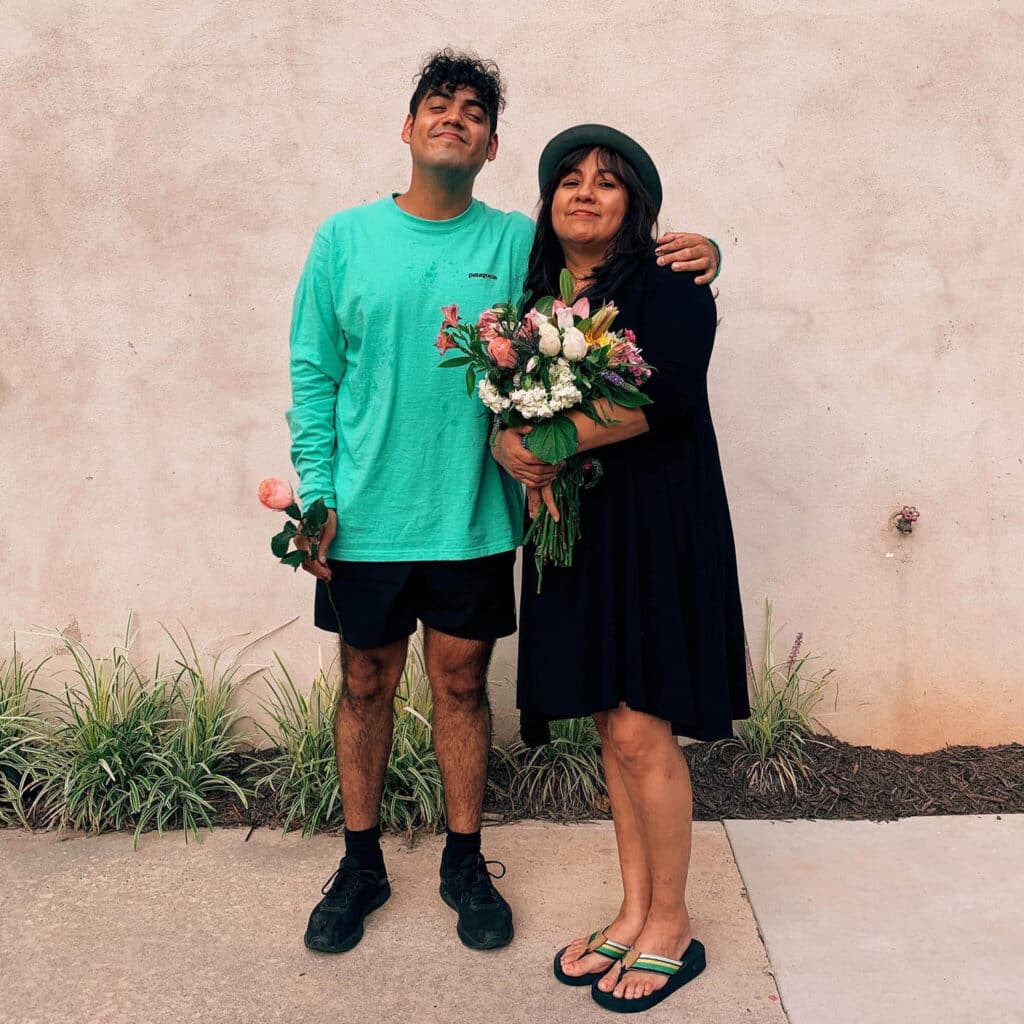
163,167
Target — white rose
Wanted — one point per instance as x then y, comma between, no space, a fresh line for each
574,345
550,341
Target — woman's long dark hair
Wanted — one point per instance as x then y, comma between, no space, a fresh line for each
632,242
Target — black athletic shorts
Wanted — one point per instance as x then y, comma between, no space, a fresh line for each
379,602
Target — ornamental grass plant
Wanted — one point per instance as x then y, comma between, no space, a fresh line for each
192,766
771,745
563,778
23,742
131,751
301,772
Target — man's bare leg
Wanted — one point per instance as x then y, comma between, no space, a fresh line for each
362,740
462,737
363,726
457,670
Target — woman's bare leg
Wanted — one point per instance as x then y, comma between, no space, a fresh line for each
657,779
636,879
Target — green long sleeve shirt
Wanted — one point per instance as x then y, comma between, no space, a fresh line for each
378,430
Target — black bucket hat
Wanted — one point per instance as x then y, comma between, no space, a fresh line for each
607,138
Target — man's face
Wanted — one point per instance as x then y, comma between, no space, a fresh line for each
451,131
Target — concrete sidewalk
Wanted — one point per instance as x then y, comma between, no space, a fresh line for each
910,922
919,921
212,932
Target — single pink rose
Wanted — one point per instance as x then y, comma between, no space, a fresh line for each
276,494
451,316
443,342
502,352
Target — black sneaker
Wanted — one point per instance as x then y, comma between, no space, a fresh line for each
485,919
336,923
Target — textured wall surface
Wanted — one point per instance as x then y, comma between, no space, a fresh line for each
162,170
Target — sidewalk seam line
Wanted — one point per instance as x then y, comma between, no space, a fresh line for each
757,921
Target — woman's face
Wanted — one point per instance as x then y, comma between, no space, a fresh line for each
589,204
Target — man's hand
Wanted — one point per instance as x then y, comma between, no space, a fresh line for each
521,465
685,251
319,567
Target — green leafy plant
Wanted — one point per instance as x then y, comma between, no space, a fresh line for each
302,773
772,743
563,778
107,728
23,743
190,767
131,752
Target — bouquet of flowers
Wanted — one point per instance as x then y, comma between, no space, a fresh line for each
531,368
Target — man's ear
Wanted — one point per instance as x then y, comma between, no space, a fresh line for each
492,147
407,129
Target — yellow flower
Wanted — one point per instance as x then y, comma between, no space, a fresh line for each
601,341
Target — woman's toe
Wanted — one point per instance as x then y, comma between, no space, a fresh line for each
570,957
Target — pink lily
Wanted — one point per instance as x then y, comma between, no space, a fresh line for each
564,314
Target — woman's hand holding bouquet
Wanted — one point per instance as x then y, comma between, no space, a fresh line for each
531,369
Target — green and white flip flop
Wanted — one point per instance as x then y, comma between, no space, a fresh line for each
679,973
598,943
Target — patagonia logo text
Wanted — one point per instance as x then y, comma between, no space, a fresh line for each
490,277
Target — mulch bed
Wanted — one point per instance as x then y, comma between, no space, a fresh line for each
863,783
846,782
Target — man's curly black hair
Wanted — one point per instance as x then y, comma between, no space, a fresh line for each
447,71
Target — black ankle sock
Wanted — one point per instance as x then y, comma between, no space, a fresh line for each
362,850
460,847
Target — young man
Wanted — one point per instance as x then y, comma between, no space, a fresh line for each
424,524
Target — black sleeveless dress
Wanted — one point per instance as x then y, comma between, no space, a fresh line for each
650,613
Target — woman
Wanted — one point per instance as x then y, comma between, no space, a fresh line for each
645,631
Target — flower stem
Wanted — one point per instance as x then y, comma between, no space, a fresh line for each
555,543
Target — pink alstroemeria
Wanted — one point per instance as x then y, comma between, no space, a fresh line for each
444,343
564,314
489,325
451,316
502,352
